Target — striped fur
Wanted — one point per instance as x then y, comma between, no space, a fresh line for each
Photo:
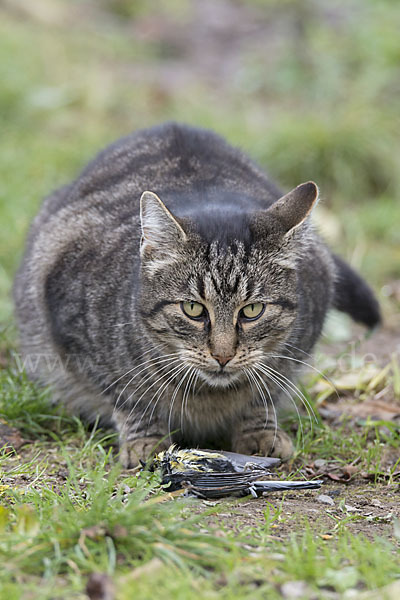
99,292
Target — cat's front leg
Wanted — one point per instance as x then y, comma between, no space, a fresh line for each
138,447
257,437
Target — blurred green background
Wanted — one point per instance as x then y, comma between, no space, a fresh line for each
310,89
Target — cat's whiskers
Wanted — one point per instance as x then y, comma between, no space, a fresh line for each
183,398
195,382
251,374
250,380
133,368
149,378
157,395
281,386
297,360
123,375
250,383
170,374
297,391
160,391
196,378
275,421
202,384
186,393
298,349
173,397
154,363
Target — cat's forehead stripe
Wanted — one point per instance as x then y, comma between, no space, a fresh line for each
225,285
224,271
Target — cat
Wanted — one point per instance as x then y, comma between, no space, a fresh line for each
173,291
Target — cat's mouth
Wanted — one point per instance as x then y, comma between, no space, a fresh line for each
219,378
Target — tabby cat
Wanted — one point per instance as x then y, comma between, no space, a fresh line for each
173,291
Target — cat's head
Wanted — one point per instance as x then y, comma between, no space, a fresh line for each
223,304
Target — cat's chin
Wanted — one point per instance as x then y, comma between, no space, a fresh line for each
220,380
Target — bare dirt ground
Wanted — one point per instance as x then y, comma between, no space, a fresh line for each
358,507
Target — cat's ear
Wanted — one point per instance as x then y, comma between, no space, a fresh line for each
292,209
160,230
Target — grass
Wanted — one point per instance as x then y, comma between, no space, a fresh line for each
68,511
319,101
102,520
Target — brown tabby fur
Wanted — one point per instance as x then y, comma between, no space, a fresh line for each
99,294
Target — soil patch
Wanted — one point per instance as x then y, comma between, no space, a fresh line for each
360,508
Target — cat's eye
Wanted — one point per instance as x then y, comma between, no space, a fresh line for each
193,310
253,311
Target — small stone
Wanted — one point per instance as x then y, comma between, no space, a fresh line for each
319,463
376,503
324,499
351,508
294,589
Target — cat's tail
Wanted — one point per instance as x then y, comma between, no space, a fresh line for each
354,296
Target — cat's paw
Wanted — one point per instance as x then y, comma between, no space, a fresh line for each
266,442
141,449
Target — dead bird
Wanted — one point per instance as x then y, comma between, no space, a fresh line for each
208,474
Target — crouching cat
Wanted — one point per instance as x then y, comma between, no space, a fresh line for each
174,291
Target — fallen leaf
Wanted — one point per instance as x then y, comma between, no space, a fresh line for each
349,471
334,477
376,409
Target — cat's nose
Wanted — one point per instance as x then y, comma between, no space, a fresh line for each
222,359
